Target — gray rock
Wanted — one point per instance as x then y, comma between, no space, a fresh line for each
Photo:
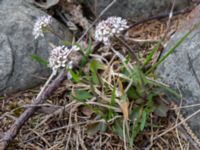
17,70
137,9
177,71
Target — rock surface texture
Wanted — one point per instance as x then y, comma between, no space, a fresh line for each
17,70
179,72
137,9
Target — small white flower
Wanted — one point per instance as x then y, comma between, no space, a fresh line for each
40,23
69,66
106,29
75,48
118,93
58,57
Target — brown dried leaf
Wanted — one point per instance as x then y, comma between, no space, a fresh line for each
124,108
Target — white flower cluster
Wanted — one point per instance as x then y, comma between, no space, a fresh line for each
40,23
58,57
106,29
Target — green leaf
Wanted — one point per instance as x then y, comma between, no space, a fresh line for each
113,97
149,57
94,67
143,121
135,114
87,53
169,52
82,95
112,103
39,59
134,132
132,93
138,77
135,117
136,120
95,78
164,89
75,76
88,49
118,128
150,100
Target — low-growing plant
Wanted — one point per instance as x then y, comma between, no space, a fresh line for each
117,89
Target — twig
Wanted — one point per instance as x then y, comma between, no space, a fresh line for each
167,29
188,137
186,106
81,141
45,92
35,102
169,19
142,40
57,112
183,11
62,17
178,124
178,111
68,130
95,21
68,126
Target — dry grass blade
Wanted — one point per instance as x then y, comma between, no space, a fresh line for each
178,124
